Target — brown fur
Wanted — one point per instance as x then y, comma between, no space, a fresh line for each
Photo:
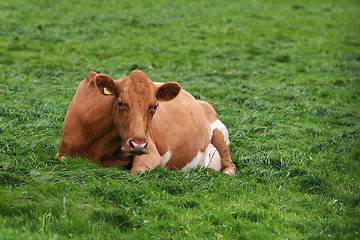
153,118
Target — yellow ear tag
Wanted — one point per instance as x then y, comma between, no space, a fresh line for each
106,91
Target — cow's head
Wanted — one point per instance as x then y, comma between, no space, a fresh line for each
136,99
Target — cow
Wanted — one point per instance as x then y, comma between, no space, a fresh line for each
137,123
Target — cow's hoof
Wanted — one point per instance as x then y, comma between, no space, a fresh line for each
229,171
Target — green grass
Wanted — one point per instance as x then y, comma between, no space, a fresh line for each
284,76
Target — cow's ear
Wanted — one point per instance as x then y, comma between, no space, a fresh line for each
168,91
105,84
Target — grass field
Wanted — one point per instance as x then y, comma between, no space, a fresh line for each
284,76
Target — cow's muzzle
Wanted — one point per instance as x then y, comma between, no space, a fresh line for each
137,146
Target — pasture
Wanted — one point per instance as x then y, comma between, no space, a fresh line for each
284,77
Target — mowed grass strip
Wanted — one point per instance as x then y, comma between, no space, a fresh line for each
283,76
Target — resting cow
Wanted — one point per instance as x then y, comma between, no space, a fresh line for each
141,124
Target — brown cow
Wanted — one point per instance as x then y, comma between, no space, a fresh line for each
138,123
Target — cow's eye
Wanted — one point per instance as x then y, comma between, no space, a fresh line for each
153,109
123,106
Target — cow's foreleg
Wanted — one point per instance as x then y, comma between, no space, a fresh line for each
116,162
147,162
118,158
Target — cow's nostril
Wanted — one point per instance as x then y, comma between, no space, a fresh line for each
138,145
131,144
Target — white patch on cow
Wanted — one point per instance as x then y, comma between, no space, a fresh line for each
209,158
215,159
229,172
222,128
197,161
166,157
